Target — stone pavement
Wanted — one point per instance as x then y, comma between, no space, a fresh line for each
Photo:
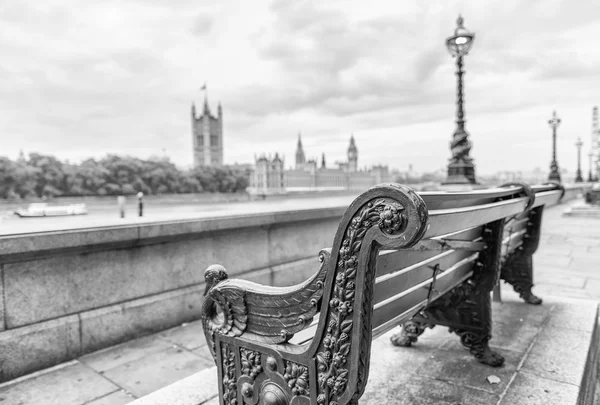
545,349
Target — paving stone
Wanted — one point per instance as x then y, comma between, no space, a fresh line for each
516,336
545,250
453,363
513,308
392,379
214,401
203,351
584,264
583,241
588,275
553,261
115,356
592,287
574,315
545,290
529,389
119,397
190,336
145,375
561,280
72,385
424,391
193,390
559,354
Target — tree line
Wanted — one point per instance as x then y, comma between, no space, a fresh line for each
46,176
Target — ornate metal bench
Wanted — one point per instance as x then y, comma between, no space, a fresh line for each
310,343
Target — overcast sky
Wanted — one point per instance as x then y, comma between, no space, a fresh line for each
81,78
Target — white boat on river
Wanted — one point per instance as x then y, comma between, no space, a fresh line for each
45,210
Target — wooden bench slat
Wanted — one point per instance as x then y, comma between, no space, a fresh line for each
514,225
405,279
451,200
547,197
419,293
445,285
390,261
446,221
512,242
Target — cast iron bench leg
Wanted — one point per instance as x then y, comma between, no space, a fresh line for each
467,309
517,269
410,333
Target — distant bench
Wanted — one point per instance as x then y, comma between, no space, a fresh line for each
310,343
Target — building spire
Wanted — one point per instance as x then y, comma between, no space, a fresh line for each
300,157
205,90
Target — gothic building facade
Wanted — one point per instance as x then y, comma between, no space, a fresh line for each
306,175
207,135
268,176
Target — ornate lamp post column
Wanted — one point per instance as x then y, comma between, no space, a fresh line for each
554,174
590,178
579,177
461,169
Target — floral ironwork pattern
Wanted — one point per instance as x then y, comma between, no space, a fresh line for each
332,358
296,377
229,380
250,363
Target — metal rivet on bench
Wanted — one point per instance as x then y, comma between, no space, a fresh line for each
247,390
271,363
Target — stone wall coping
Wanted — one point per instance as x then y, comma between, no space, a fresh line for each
21,247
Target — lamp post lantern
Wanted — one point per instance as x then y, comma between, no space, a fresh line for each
554,174
578,177
461,169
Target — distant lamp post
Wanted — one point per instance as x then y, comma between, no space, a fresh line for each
578,144
590,156
554,174
461,169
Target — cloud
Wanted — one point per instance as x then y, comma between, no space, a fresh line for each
202,24
115,76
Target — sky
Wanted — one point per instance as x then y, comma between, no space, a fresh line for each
85,78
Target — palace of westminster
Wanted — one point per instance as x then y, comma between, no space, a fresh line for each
269,175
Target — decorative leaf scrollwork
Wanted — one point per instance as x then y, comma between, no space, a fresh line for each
250,363
296,377
229,380
335,347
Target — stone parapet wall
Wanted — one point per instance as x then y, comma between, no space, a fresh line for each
69,293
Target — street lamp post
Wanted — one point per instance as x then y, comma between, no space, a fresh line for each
590,178
578,177
554,174
461,169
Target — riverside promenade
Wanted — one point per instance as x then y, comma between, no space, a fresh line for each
545,351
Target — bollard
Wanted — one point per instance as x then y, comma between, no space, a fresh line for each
140,197
121,203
